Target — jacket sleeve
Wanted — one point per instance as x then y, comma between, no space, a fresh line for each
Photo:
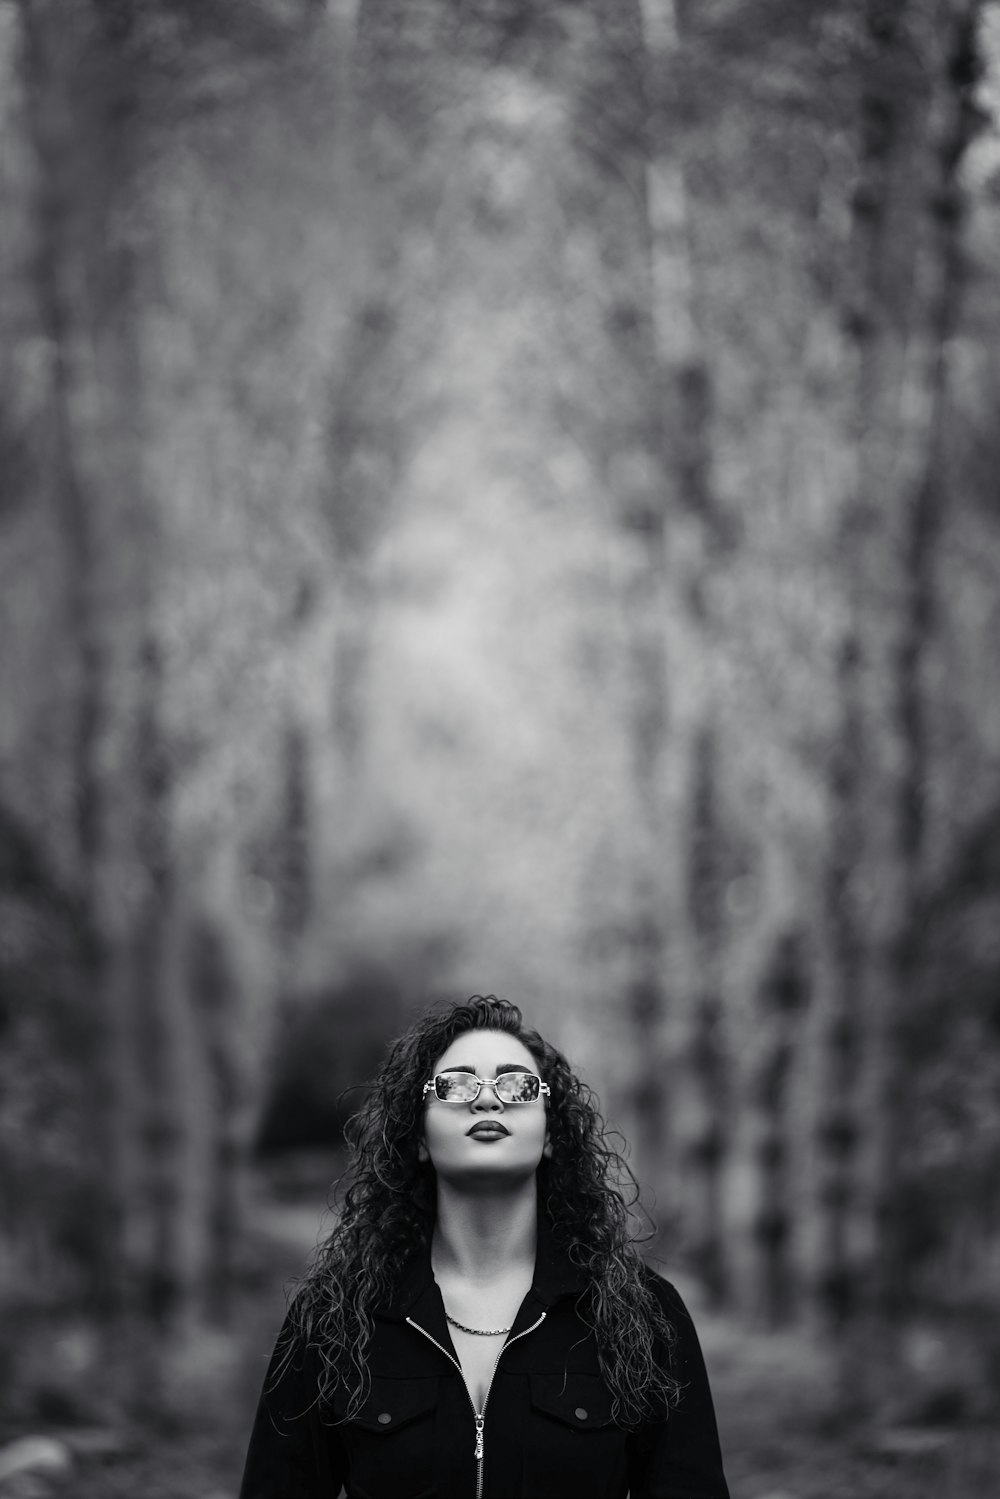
679,1457
293,1453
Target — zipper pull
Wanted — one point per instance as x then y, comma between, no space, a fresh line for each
479,1439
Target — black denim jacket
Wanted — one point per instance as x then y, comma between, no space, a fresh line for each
546,1429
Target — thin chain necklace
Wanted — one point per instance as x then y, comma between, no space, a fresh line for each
479,1332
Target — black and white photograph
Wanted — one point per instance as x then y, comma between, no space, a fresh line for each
499,749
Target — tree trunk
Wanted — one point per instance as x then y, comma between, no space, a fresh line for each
639,472
684,385
67,142
367,395
904,284
706,1059
85,87
783,998
952,64
294,874
871,319
164,1049
213,983
162,1034
685,376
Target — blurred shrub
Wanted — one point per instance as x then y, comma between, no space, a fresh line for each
332,1044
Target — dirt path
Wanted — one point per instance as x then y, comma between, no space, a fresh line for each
772,1395
782,1439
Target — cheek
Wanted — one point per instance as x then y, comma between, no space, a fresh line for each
436,1133
542,1138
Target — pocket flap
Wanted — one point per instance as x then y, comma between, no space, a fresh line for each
579,1400
393,1403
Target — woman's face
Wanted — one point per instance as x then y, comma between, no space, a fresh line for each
486,1143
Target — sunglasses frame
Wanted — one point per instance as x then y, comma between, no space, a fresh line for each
544,1091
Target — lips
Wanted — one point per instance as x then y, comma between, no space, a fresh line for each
491,1130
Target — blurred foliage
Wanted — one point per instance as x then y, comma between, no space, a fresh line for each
332,1046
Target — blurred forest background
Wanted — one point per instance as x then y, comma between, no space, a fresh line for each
501,495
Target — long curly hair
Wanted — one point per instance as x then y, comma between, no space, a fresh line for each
388,1212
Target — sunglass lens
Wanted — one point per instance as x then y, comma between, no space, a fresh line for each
454,1087
518,1087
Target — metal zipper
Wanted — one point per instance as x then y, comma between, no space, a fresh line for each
480,1416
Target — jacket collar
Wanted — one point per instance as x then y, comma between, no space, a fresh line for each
416,1293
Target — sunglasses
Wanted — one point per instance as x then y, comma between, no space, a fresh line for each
463,1087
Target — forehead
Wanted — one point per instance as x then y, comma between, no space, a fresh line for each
485,1053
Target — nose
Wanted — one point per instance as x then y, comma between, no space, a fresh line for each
488,1100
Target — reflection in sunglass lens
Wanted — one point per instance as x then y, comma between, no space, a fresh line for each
462,1087
455,1087
518,1087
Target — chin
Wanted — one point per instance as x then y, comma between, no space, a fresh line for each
470,1175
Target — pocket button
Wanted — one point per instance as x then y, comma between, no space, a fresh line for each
384,1418
580,1413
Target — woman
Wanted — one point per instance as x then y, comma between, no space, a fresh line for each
478,1323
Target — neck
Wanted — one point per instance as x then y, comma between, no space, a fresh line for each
487,1236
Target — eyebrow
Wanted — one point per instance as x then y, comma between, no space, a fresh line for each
504,1067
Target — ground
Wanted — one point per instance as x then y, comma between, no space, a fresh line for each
773,1392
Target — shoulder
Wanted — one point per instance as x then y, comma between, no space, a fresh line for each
682,1339
666,1293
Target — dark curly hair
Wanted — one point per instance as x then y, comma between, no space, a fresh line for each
388,1212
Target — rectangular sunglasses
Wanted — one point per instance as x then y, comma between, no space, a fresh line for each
463,1087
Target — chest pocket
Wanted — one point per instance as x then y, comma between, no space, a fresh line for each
581,1401
391,1440
573,1446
